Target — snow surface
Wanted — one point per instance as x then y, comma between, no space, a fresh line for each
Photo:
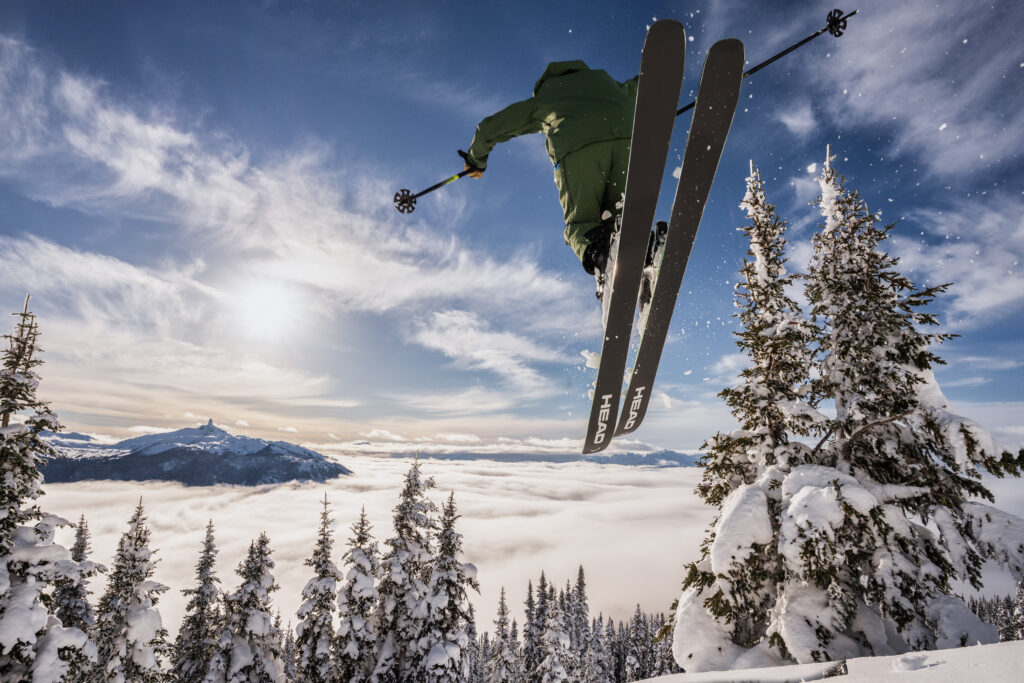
983,663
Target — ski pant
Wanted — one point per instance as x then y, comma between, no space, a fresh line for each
590,182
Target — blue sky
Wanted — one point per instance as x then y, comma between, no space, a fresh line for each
198,196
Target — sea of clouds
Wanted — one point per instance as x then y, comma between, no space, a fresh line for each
632,528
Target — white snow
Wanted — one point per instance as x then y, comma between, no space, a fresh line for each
982,664
744,521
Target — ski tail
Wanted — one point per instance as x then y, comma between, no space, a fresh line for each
661,76
717,97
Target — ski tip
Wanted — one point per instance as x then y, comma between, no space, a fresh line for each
665,28
734,45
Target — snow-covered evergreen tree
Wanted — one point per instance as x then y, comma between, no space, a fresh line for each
34,644
733,583
620,648
356,641
1018,612
472,653
503,665
597,661
580,617
130,638
638,648
315,630
485,650
71,595
555,648
249,648
289,653
445,636
819,552
517,651
662,660
530,631
403,588
196,640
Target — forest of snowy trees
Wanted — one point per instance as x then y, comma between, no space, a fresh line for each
847,509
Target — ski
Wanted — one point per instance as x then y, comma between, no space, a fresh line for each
661,76
716,101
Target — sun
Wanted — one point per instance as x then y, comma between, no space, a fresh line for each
265,311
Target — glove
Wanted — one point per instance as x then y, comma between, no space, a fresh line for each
474,170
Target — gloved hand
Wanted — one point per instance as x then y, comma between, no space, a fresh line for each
474,170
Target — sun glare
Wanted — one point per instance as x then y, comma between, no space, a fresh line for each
265,311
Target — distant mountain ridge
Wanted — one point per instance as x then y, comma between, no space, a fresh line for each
195,456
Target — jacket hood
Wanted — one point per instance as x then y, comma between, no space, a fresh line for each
556,69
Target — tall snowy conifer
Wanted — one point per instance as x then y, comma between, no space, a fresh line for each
830,543
194,646
356,640
530,630
130,638
1017,612
315,630
402,609
289,652
638,648
445,640
476,661
502,667
71,596
597,662
580,617
249,648
34,644
734,579
517,651
555,648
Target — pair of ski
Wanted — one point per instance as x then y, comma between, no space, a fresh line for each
661,74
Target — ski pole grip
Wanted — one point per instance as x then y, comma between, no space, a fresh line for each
465,158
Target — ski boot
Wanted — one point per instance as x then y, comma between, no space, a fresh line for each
651,263
600,261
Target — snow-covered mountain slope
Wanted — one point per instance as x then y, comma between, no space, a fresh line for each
197,456
997,662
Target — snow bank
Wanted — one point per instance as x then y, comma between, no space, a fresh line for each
996,662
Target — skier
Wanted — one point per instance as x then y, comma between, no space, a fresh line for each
587,119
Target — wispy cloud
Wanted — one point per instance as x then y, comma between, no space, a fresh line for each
891,75
382,434
327,235
977,246
467,339
798,118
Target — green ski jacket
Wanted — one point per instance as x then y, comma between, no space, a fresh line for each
572,104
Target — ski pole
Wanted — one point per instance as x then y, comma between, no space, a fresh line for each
405,201
836,25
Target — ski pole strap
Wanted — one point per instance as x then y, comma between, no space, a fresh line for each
836,26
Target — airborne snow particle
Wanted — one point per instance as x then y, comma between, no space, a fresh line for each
943,126
690,38
813,168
